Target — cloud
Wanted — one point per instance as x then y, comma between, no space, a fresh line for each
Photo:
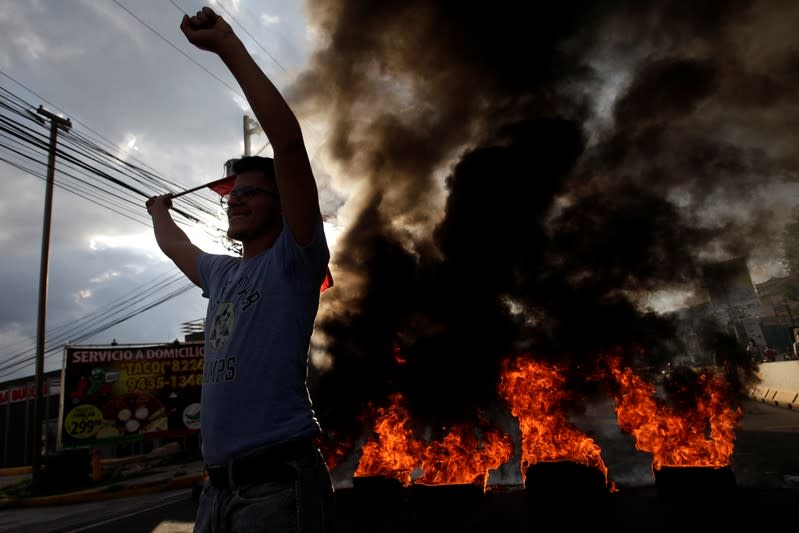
146,96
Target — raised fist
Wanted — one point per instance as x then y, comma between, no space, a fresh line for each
204,19
206,30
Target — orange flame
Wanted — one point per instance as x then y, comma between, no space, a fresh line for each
701,436
535,394
460,457
395,453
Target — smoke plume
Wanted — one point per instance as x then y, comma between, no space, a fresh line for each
527,181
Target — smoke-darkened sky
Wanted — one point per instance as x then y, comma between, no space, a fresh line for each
528,179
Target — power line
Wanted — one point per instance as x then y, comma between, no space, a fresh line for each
23,359
87,195
55,106
229,14
81,154
184,54
179,8
103,163
23,146
83,330
22,109
66,330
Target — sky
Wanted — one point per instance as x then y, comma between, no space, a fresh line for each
140,90
493,182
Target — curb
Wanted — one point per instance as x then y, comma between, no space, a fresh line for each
15,471
22,470
777,397
104,493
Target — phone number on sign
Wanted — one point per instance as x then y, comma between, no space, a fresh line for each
158,382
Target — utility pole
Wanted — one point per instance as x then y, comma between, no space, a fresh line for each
250,127
55,123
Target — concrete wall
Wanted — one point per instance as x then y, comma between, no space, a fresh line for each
779,384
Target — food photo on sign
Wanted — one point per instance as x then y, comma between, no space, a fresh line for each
120,393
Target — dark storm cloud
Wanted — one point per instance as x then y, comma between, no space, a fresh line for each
555,218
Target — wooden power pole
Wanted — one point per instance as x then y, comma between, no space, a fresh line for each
56,122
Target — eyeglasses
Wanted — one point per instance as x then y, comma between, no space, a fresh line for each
242,193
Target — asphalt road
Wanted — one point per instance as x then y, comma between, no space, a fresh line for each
123,515
765,492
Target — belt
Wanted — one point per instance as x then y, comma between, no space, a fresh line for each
263,465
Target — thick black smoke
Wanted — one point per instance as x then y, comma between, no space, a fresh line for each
592,154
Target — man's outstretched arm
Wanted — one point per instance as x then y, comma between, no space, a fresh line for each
172,240
295,180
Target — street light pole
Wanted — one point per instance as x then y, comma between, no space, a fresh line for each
55,123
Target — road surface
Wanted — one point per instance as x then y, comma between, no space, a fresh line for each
766,491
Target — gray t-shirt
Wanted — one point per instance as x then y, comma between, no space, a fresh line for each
258,328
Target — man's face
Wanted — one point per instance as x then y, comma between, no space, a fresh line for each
255,213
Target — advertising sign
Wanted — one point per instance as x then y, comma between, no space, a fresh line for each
120,393
27,391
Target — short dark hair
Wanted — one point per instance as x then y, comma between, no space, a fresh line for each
255,162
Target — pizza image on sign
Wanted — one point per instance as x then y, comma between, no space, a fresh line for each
131,413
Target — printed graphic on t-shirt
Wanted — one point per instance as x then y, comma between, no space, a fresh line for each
219,370
222,326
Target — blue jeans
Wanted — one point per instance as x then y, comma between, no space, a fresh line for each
304,505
